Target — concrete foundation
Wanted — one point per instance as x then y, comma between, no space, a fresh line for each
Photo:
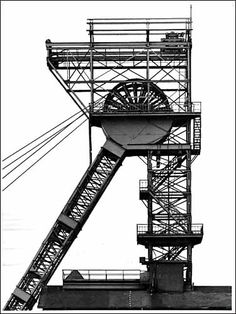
201,298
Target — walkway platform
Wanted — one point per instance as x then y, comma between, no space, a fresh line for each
161,236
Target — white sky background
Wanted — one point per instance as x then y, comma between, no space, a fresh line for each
33,101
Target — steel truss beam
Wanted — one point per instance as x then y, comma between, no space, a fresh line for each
169,190
112,65
67,226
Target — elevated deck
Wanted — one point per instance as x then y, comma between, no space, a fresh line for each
163,149
180,113
162,235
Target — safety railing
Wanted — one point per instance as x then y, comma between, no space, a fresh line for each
143,185
143,188
139,26
173,107
165,229
194,107
102,274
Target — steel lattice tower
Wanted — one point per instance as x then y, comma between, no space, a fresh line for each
140,95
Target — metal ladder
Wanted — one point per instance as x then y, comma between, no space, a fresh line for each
197,133
67,226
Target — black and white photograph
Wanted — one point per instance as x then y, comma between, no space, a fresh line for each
118,156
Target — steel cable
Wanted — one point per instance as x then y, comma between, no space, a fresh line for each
48,141
20,149
43,155
48,138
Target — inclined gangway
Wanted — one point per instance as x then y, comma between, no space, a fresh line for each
67,226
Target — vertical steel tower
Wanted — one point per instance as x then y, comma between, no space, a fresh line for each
140,95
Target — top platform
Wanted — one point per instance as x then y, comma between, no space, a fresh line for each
170,35
127,66
145,29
